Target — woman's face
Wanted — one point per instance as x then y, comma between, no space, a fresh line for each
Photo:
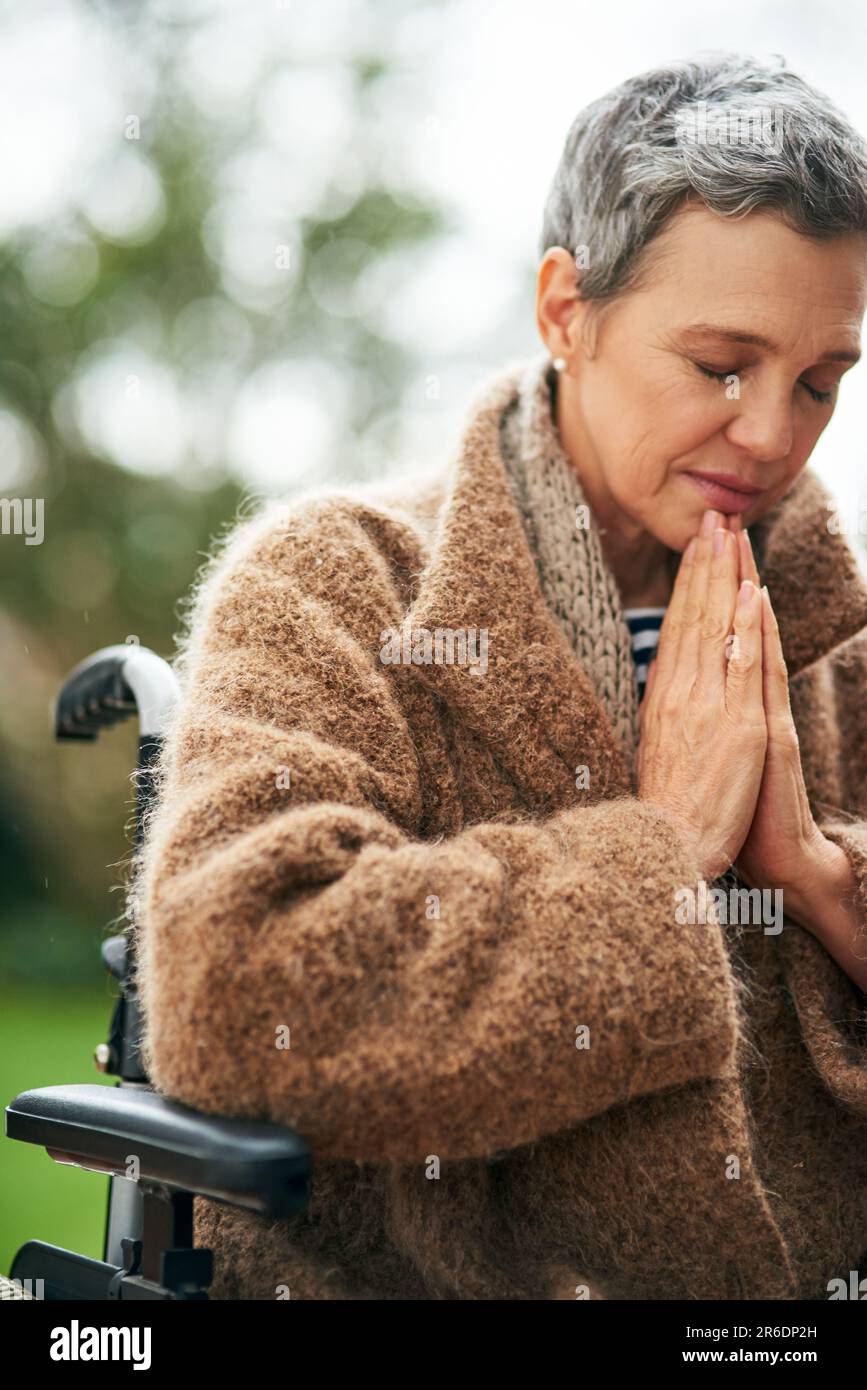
709,384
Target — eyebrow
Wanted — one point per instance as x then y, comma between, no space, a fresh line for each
738,335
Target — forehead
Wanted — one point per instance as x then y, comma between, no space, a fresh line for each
704,266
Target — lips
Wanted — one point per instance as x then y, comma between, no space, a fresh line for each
725,492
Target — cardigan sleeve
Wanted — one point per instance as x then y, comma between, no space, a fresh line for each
832,1009
306,956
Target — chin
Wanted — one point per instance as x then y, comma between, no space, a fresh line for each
676,533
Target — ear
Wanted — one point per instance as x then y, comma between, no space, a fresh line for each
559,316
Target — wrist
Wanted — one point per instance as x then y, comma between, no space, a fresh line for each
710,864
828,907
824,872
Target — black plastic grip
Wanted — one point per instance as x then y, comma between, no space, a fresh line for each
94,695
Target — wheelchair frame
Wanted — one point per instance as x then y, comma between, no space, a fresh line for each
179,1153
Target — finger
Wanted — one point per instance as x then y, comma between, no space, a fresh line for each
719,611
669,633
748,569
775,682
648,685
696,599
735,523
744,672
687,592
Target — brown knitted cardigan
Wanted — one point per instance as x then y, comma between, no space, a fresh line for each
396,863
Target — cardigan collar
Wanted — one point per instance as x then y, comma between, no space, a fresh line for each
533,705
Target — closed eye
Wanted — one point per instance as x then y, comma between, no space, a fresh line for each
823,397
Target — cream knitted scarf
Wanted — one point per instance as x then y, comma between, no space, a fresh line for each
562,533
576,581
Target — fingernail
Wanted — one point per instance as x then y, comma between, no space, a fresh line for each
745,593
719,540
708,523
689,553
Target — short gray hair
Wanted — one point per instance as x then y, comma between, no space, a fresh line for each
626,166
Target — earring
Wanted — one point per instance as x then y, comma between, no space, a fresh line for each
559,364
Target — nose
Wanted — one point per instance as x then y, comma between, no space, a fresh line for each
763,426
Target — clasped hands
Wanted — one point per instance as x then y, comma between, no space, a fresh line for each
719,753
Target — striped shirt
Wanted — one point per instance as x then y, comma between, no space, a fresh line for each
644,625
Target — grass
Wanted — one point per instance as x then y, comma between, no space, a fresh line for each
47,1038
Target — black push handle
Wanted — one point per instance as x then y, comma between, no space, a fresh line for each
112,684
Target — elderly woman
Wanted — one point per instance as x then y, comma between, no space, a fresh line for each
561,977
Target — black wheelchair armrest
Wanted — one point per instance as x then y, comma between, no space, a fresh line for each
255,1164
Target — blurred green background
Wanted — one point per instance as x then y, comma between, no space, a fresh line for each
193,317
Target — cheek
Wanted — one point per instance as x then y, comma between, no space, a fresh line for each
691,423
650,486
661,443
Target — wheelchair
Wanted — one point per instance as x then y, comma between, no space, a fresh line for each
178,1153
